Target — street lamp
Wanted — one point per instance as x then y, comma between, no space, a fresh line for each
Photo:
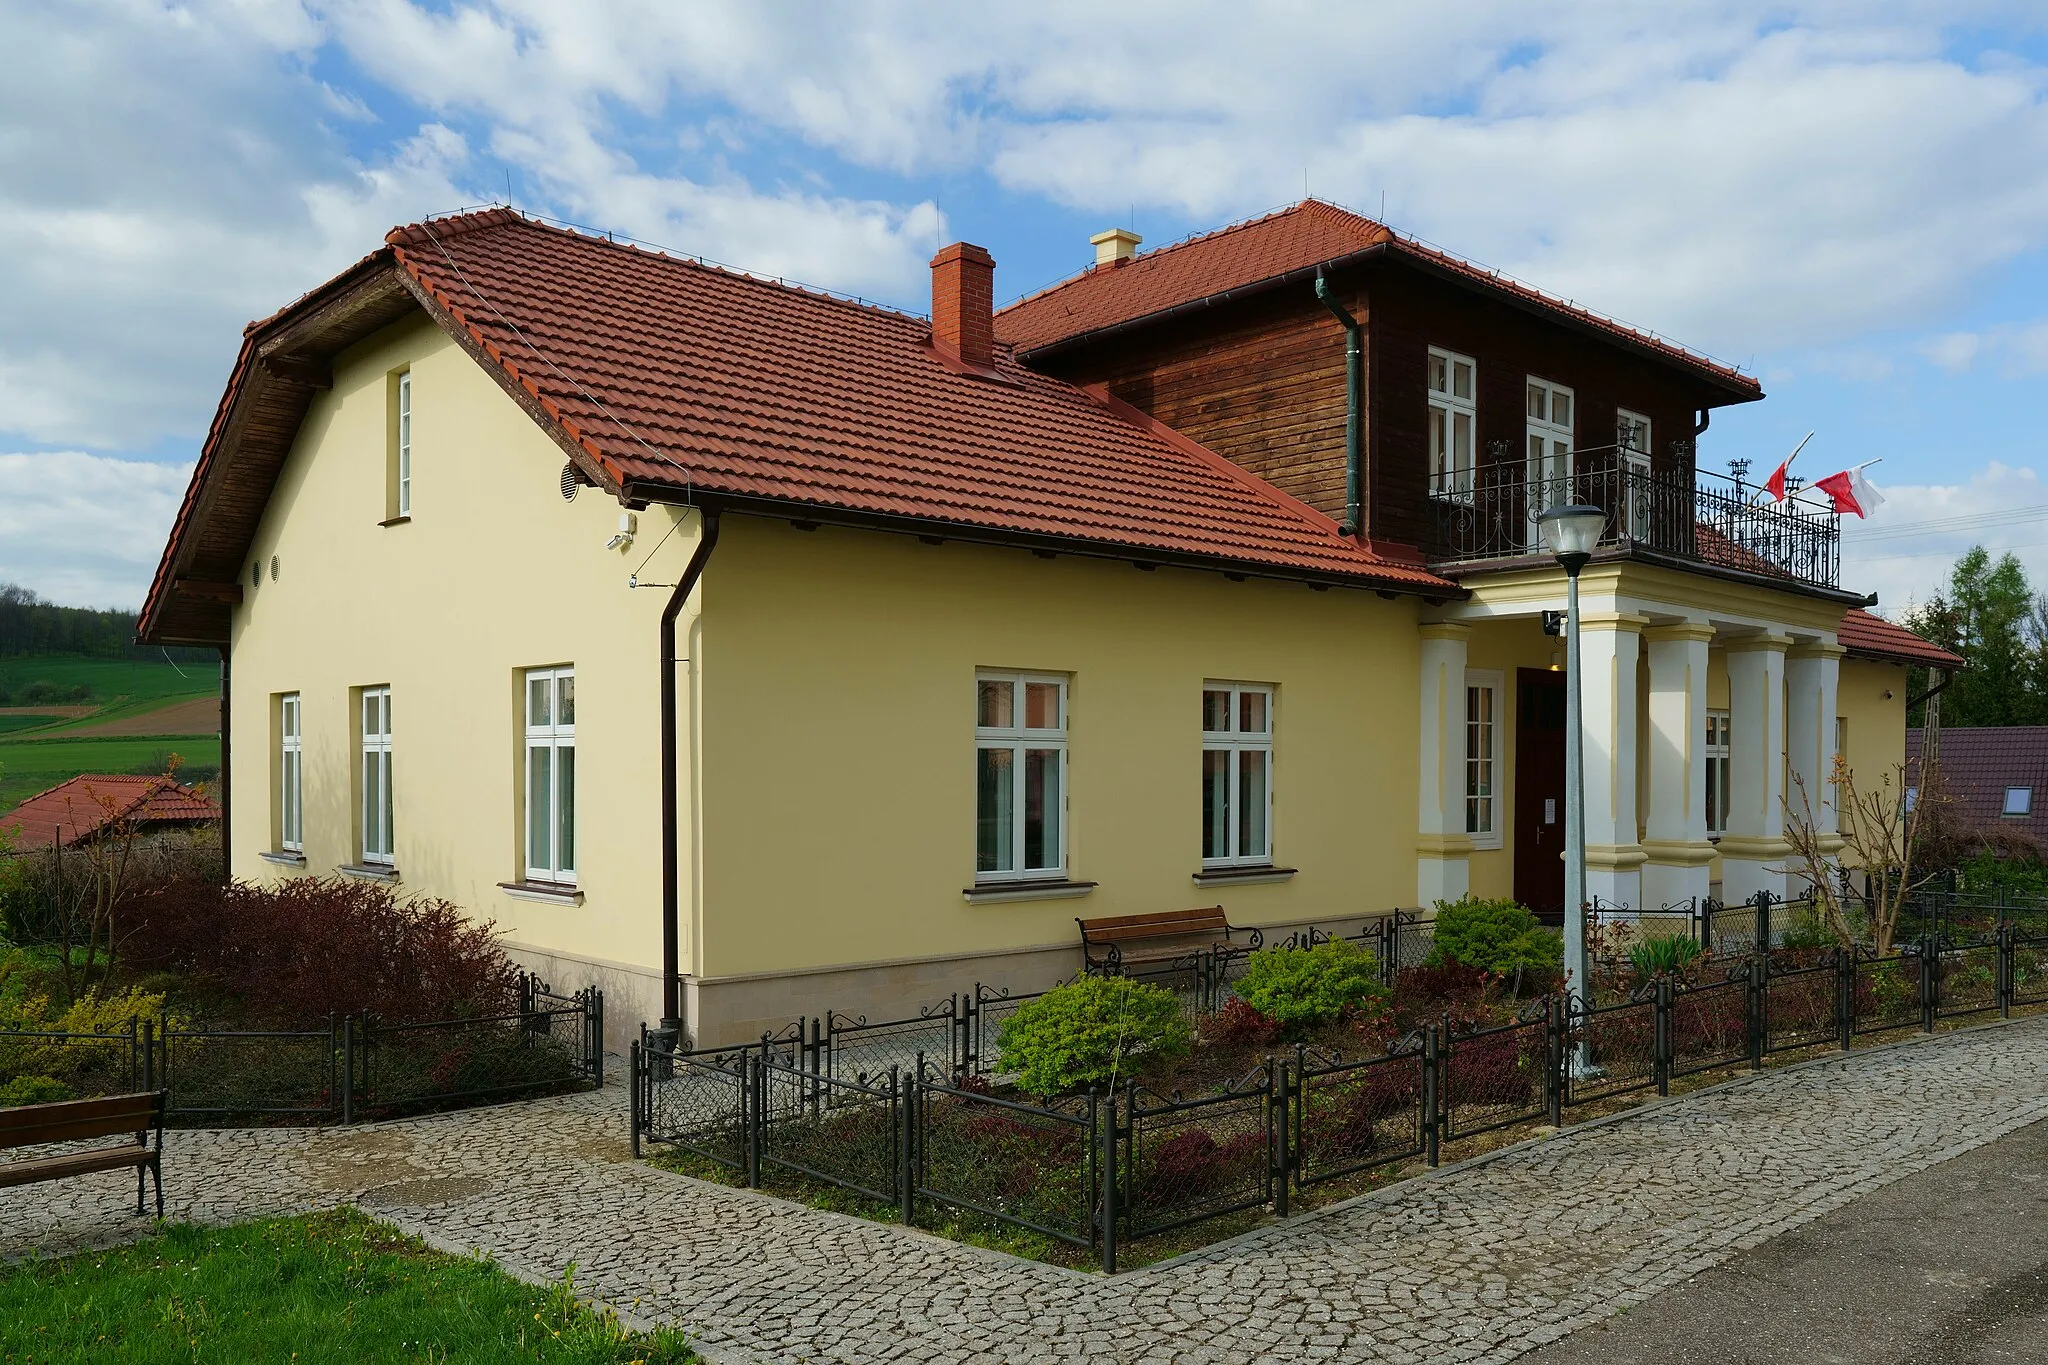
1570,533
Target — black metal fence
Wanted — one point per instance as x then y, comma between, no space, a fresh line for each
1101,1170
344,1070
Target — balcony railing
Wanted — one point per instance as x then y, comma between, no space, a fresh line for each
1673,511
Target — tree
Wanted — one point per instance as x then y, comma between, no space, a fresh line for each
1992,616
1881,832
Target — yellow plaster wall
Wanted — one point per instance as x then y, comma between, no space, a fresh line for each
1877,723
838,749
494,573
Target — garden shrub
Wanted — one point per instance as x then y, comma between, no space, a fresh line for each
1237,1024
1090,1032
1498,936
32,1090
1665,955
1432,991
1299,988
2012,875
307,948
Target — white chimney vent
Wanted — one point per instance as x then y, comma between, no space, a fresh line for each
1115,246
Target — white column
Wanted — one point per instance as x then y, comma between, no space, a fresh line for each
1812,672
1753,851
1443,864
1609,645
1675,810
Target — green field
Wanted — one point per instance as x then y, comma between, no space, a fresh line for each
118,687
37,753
329,1287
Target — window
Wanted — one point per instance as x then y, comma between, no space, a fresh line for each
1453,420
1717,772
2018,801
1020,777
376,746
405,445
291,810
1549,462
551,775
1482,758
1237,775
1632,434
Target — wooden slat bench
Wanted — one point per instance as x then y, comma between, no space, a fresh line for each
132,1116
1119,941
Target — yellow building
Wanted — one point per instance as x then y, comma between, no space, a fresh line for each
751,652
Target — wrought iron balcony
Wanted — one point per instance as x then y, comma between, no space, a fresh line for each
1663,511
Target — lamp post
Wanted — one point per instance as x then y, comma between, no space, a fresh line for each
1570,533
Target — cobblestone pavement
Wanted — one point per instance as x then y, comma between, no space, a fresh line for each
1476,1263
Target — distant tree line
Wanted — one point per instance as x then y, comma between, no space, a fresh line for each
1992,616
31,625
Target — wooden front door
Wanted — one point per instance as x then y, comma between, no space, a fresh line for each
1539,792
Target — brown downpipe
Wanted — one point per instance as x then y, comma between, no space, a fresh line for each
225,783
671,926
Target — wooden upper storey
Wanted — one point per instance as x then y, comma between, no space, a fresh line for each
1260,378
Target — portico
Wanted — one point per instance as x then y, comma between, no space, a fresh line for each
1677,668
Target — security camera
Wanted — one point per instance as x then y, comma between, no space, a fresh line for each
628,525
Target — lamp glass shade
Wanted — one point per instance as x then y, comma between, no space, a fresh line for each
1573,530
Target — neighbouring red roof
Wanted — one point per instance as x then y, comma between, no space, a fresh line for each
1873,637
1299,237
81,807
715,383
1979,763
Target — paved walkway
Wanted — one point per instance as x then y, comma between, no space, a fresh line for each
1478,1263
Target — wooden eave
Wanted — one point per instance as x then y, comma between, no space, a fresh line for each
284,361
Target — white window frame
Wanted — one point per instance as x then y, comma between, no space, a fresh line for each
1547,486
552,735
405,444
2023,807
1717,773
1494,684
1449,477
1235,740
291,774
1018,739
377,829
1629,427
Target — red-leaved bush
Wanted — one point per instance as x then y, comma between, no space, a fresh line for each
1237,1024
1426,994
303,949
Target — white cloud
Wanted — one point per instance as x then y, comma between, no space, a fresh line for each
2017,349
85,530
1904,553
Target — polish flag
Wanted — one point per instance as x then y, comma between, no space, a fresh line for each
1851,492
1775,485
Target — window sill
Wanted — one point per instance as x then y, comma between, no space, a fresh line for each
364,873
547,893
1493,844
990,892
395,521
1244,876
282,858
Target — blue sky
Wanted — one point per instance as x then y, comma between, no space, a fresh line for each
1845,198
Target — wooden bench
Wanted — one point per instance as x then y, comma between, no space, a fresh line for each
1119,941
133,1116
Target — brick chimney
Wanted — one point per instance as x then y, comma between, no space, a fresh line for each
1115,246
964,303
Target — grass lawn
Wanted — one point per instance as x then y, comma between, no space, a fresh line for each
28,766
329,1287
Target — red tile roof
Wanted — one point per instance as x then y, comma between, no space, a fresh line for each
717,384
1296,238
81,807
1979,763
1873,637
